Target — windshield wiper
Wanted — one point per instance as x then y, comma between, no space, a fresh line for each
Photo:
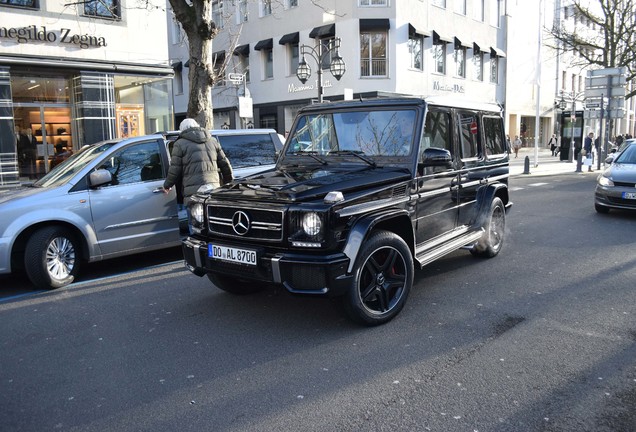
356,153
311,154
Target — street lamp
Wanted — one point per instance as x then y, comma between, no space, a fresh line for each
319,53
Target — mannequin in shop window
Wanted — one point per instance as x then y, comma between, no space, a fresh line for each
27,150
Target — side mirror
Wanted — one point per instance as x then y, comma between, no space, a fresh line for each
433,156
609,160
99,178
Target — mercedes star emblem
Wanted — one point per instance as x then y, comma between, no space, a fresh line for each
240,222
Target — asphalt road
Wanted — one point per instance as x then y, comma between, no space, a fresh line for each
540,338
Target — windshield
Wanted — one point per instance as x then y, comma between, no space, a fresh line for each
370,133
628,156
248,150
67,169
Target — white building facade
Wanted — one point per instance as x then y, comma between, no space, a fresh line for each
74,75
406,47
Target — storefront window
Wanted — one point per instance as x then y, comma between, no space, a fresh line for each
143,105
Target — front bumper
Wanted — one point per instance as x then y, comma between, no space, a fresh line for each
613,197
299,273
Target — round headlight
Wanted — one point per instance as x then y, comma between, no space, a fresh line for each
196,212
312,224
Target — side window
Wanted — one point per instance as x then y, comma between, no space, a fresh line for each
248,150
139,162
494,137
468,135
437,131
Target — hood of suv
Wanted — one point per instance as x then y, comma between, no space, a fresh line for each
310,182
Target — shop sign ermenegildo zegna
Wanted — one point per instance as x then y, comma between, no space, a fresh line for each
34,34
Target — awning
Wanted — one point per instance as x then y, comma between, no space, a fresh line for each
375,24
289,38
439,39
413,31
264,44
325,31
496,52
219,55
163,69
477,47
243,50
187,63
177,65
460,44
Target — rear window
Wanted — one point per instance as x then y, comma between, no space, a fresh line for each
248,150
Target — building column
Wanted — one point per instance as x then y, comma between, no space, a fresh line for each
93,105
8,144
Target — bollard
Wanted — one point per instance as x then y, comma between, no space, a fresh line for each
579,162
526,165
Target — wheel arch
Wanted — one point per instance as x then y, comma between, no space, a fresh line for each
397,221
19,246
485,195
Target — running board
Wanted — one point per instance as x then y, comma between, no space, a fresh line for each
429,256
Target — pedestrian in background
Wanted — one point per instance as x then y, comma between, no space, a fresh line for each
553,144
517,145
508,145
196,160
587,147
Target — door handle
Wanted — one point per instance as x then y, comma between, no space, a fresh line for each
158,190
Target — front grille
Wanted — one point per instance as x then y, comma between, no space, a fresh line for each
263,224
622,202
623,184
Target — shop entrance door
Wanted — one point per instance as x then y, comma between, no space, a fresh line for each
45,137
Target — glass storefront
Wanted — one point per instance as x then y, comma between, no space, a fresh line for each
52,116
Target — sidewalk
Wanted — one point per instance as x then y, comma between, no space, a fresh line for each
547,164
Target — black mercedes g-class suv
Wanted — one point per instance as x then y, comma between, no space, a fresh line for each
361,192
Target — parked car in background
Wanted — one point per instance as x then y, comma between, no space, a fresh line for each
104,201
616,186
614,152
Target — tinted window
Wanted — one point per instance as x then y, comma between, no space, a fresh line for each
468,135
248,150
437,131
494,136
126,165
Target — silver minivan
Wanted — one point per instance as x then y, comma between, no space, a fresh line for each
105,201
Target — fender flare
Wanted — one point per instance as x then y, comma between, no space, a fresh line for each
363,226
485,195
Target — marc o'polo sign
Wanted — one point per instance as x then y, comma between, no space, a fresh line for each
32,34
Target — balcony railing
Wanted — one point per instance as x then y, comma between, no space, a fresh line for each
375,67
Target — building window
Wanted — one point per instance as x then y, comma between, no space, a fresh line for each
266,7
494,69
102,8
31,4
460,7
439,3
373,59
495,12
415,51
178,81
460,61
372,3
292,54
219,69
439,57
478,10
292,3
478,65
268,64
217,13
268,121
175,31
241,11
563,79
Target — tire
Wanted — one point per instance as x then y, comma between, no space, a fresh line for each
601,209
383,276
494,230
52,258
235,285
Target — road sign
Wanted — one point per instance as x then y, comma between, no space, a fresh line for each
607,71
590,105
236,78
591,93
